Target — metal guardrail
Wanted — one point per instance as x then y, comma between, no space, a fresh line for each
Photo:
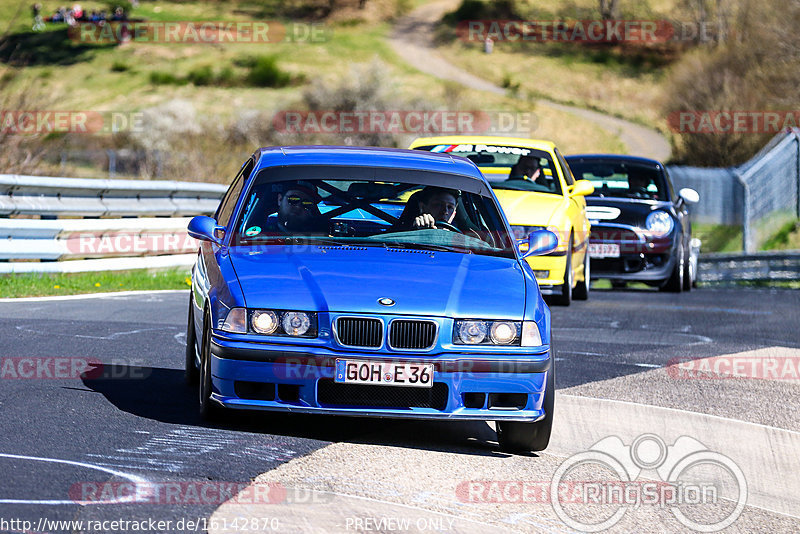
154,238
89,197
761,266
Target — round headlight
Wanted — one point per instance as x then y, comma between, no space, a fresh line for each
472,332
659,223
264,322
503,333
296,323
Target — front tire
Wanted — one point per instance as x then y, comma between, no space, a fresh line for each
674,284
515,436
190,372
209,410
581,291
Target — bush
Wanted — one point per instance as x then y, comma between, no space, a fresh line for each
164,78
201,76
119,66
265,72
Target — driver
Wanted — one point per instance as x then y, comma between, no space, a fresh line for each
436,204
526,168
297,210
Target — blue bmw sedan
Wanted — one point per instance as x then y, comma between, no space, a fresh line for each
370,282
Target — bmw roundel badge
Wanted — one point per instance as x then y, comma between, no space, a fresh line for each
385,301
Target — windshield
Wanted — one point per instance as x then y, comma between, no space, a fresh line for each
621,180
508,167
380,211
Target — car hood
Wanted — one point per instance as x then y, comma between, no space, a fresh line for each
529,208
352,279
630,212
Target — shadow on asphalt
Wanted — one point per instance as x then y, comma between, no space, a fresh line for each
161,395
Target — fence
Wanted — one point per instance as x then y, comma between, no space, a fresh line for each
764,266
759,195
126,224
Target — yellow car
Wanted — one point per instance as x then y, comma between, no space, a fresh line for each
536,190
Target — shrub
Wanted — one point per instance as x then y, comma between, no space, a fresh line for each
265,72
201,76
119,66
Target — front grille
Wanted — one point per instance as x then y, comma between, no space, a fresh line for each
359,332
331,393
410,335
610,234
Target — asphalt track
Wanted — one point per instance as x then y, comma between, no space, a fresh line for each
136,425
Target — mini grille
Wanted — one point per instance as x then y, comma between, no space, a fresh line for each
405,334
334,394
359,332
608,234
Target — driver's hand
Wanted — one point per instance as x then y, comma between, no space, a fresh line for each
425,220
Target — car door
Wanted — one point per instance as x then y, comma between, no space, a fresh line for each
577,215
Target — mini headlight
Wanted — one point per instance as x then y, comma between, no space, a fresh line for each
659,223
236,321
264,321
472,332
295,323
503,332
530,334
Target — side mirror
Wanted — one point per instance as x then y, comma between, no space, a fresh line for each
205,229
689,195
582,188
539,242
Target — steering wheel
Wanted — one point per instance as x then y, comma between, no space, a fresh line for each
447,226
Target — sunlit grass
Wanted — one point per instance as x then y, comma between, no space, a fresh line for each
45,284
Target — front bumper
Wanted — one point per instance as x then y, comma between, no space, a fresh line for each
286,378
642,257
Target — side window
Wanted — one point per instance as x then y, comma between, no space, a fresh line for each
225,209
567,172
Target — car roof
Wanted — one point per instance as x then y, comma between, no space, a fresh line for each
366,157
539,144
616,158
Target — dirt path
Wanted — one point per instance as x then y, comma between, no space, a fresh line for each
412,40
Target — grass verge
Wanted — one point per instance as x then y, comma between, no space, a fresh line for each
48,284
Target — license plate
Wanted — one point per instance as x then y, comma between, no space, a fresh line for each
603,250
418,375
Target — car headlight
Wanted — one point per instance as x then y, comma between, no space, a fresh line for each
235,322
530,334
471,332
295,323
283,323
659,223
503,332
477,332
264,321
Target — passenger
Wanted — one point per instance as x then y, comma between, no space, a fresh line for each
435,204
